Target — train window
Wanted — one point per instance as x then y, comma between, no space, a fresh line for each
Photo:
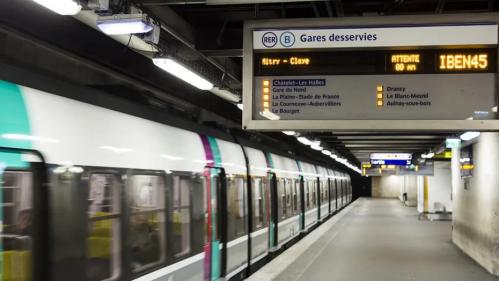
146,202
314,193
326,191
282,198
17,219
258,208
296,188
307,192
103,238
181,216
289,203
236,187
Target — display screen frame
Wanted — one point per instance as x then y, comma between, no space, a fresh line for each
251,122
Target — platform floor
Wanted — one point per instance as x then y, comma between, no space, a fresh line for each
376,240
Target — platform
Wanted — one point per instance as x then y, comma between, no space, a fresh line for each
376,240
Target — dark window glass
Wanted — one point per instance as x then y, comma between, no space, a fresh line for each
17,220
236,187
103,238
259,215
181,215
146,232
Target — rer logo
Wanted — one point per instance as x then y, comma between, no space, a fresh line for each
287,39
269,39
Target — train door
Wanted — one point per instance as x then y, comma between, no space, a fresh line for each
274,210
329,197
302,203
318,198
336,185
215,252
24,216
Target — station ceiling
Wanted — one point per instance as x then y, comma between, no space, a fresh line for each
209,36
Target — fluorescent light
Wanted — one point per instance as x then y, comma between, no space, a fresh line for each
269,115
304,140
124,24
494,109
28,138
334,156
116,149
62,7
469,136
240,106
225,94
76,170
326,152
316,147
170,157
183,73
427,155
289,133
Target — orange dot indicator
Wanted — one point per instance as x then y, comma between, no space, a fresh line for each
266,83
379,95
266,97
265,104
266,90
379,88
379,103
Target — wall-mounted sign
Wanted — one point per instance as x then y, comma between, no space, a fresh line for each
397,162
390,77
391,156
466,164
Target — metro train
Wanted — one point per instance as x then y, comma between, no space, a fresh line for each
93,194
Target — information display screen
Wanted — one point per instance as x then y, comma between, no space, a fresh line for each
476,60
315,76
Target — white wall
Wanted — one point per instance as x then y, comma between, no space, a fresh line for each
394,187
409,186
475,216
439,189
387,186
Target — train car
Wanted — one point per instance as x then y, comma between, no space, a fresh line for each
93,194
285,202
324,199
332,190
259,176
311,195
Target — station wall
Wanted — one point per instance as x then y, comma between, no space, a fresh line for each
386,186
438,189
475,217
394,187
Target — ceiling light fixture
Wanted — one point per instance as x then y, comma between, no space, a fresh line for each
62,7
289,133
124,24
326,152
304,140
183,73
469,136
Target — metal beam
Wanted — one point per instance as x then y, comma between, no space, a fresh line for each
223,53
338,7
440,7
329,8
244,2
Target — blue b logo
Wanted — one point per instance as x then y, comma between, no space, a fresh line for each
287,39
